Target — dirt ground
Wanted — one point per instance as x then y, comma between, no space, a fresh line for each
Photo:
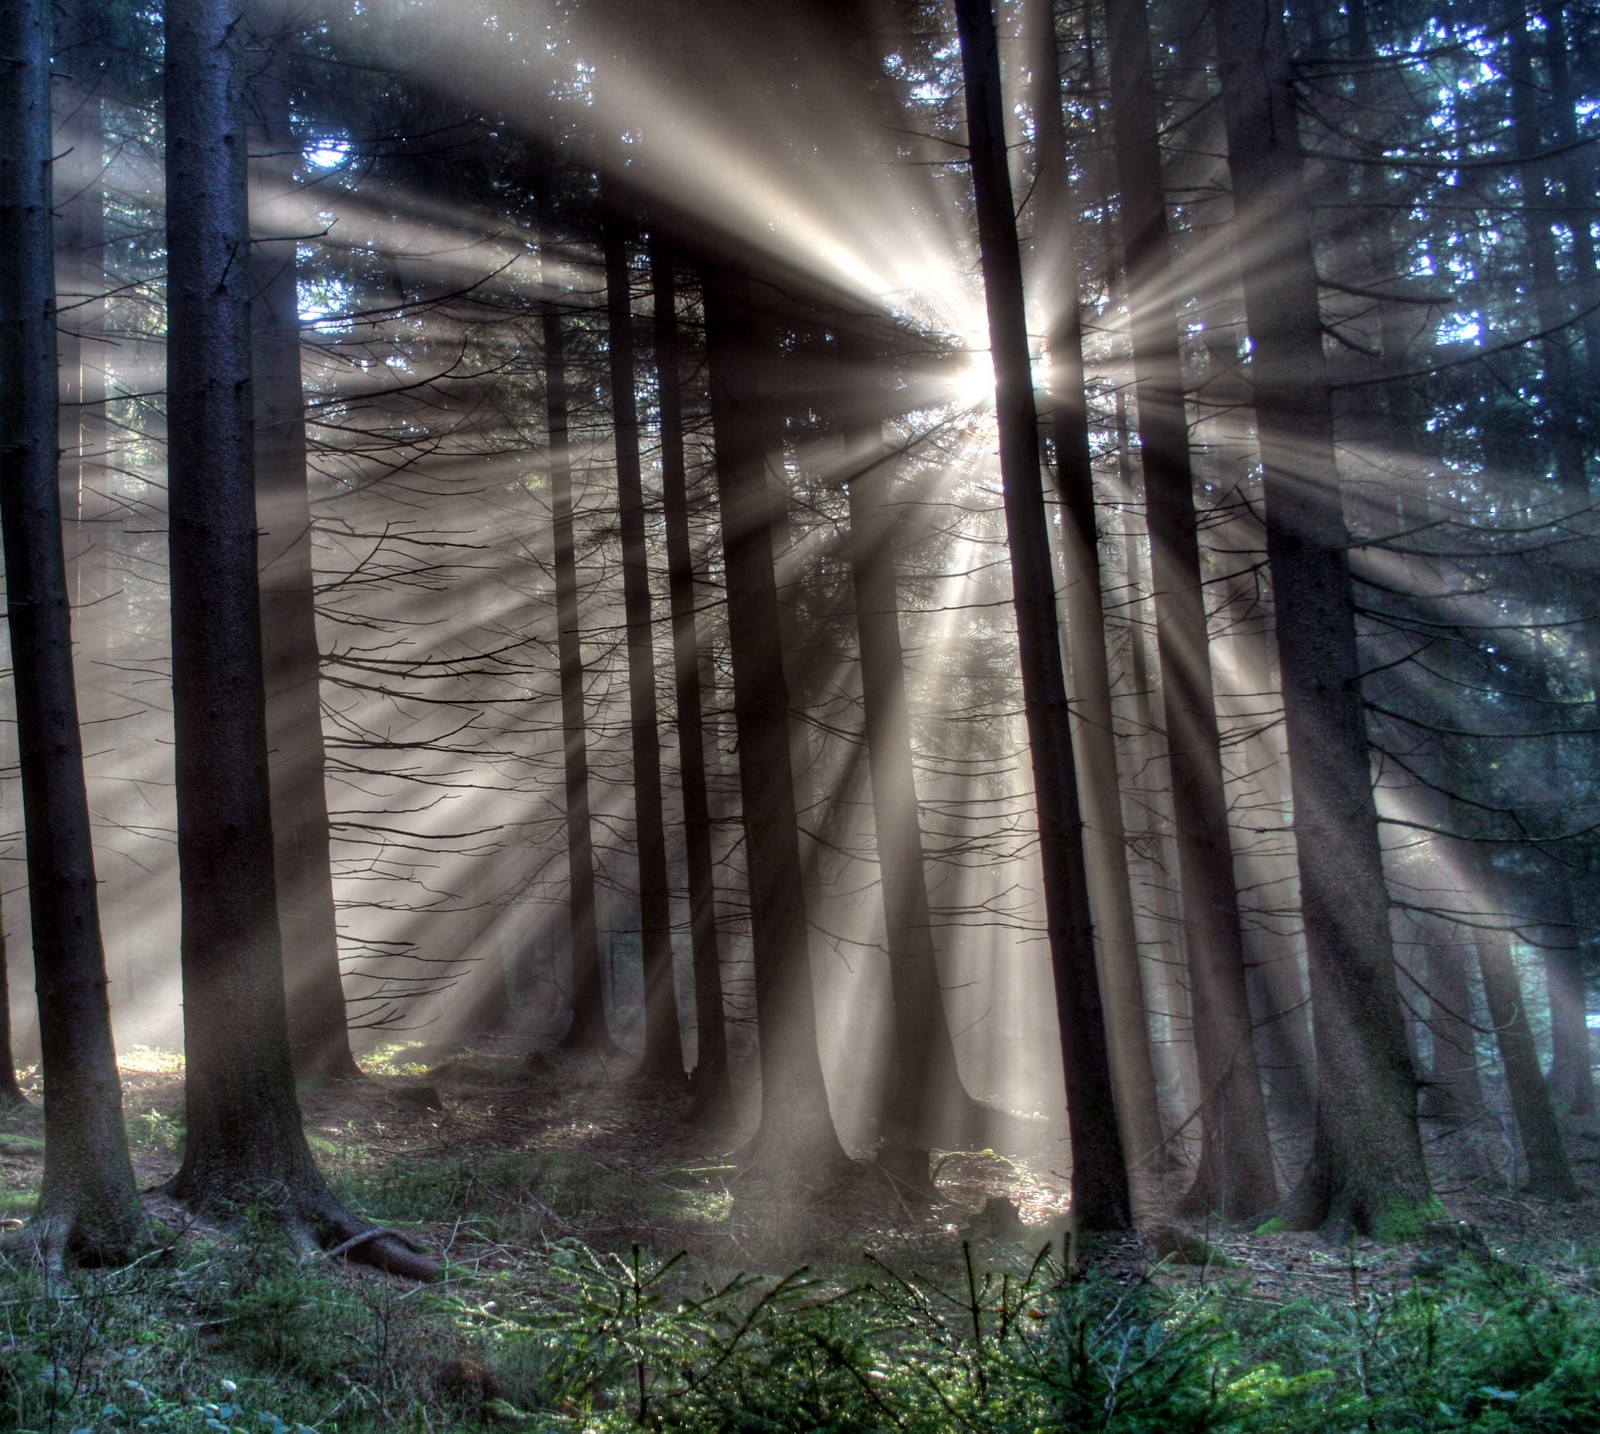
612,1164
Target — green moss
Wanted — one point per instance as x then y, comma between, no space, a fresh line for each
1275,1226
1401,1220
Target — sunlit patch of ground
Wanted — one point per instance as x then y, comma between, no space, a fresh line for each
150,1060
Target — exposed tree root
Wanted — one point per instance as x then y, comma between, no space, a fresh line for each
314,1221
61,1236
391,1251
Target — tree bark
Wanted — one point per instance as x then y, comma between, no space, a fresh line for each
1366,1168
1100,1196
1064,413
1236,1174
589,1030
245,1143
796,1139
1571,1074
319,1039
1454,1092
662,1061
1549,1175
10,1092
88,1207
1559,427
925,1100
713,1092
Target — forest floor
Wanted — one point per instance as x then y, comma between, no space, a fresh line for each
501,1162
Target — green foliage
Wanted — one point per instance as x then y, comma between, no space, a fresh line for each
1491,1345
616,1344
249,1334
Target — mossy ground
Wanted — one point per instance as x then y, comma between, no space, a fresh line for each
558,1195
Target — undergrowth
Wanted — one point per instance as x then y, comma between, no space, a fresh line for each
245,1334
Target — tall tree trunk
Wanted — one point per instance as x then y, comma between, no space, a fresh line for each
589,1030
663,1043
1560,427
796,1139
1168,996
1571,1074
1064,413
713,1092
1454,1092
319,1039
245,1141
1577,190
1236,1175
925,1101
1549,1175
1366,1168
10,1092
83,50
88,1208
1100,1197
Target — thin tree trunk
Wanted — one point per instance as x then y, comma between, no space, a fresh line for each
1366,1168
1454,1092
319,1039
1169,992
88,1207
663,1044
1065,420
796,1138
925,1101
10,1092
244,1140
1559,428
1236,1174
1571,1075
1577,190
1549,1175
713,1092
1100,1196
589,1030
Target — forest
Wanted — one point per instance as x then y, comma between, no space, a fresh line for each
851,715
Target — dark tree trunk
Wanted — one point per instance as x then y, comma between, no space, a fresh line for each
925,1102
245,1142
1454,1092
796,1139
319,1039
1236,1173
88,1207
1577,186
1560,426
589,1030
663,1043
10,1092
1065,419
1571,1074
1100,1197
713,1092
1168,997
1549,1175
81,48
1366,1168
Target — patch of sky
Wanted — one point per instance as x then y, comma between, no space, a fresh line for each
325,303
1460,329
329,152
